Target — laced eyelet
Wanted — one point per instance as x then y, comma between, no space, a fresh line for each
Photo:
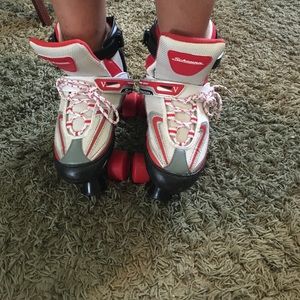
211,103
88,94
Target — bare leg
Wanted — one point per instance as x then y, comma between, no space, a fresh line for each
185,17
85,20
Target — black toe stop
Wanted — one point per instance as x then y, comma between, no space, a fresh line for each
165,184
94,188
83,173
157,193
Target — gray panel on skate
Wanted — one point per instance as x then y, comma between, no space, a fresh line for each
75,155
178,164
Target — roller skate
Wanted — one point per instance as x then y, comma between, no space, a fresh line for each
91,92
179,103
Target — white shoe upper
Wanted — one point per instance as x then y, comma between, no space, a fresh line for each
90,95
180,101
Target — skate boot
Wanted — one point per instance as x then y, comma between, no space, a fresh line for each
90,94
179,102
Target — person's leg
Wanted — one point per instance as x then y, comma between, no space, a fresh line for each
184,17
84,20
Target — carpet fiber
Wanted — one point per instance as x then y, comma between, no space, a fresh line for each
234,235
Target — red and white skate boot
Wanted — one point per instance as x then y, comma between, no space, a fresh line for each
90,94
179,102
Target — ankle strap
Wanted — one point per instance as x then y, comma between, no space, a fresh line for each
113,42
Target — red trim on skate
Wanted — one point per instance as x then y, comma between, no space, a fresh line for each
187,64
62,44
55,153
64,63
155,120
149,61
106,146
151,154
113,85
203,128
214,31
57,32
60,118
189,39
112,68
163,88
100,126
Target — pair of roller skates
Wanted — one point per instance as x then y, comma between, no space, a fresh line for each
175,97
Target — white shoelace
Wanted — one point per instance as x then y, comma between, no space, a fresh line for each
211,103
86,92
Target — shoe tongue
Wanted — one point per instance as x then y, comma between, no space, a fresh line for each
182,133
186,59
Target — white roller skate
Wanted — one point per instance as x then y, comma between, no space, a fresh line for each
179,102
90,94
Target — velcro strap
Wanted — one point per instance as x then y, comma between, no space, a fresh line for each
110,46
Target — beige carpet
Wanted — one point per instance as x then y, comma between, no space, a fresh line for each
234,235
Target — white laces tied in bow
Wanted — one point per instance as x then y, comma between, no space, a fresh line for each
211,103
87,93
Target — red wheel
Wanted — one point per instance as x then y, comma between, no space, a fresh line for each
139,173
129,105
141,110
118,165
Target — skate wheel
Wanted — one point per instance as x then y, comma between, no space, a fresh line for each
141,111
129,105
118,165
139,173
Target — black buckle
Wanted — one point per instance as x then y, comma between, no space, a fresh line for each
150,40
111,45
113,42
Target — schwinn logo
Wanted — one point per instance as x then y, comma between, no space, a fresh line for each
187,64
190,62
